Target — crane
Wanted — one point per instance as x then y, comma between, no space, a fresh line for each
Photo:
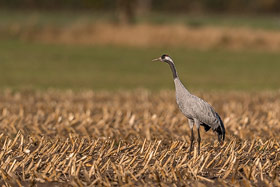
198,111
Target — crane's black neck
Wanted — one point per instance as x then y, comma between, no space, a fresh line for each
173,69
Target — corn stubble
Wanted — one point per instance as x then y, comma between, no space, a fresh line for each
136,137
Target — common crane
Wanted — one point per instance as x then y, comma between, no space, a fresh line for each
194,108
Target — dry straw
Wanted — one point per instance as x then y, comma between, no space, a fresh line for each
135,138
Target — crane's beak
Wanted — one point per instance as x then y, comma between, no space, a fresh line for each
157,59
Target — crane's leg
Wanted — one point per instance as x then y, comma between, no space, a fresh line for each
197,124
198,140
192,137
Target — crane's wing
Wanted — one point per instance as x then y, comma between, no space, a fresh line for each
206,114
203,111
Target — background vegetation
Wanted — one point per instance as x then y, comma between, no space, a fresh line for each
219,6
81,50
36,65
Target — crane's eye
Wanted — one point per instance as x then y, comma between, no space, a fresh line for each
163,56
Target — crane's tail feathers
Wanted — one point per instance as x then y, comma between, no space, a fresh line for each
221,130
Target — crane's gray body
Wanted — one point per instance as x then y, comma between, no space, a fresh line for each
195,109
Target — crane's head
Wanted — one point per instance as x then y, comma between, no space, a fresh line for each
164,58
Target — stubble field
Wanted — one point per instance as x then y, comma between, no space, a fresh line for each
136,137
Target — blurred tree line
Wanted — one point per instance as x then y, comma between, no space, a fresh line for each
127,9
